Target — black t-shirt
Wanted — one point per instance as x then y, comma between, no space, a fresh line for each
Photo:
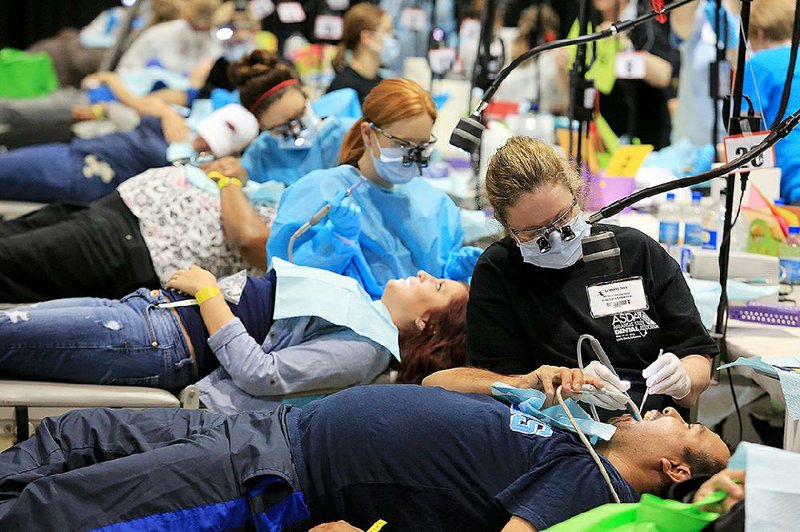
521,316
635,108
428,459
350,79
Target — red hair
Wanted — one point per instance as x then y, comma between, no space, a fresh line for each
442,344
391,100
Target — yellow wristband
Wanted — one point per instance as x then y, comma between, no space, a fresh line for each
223,180
98,111
204,294
379,524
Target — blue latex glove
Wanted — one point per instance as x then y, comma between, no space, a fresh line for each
461,263
732,38
345,217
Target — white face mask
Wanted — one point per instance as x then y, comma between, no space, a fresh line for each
562,254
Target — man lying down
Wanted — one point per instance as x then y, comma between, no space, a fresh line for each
419,458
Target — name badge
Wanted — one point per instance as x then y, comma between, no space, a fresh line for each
328,28
630,65
607,299
291,12
338,5
261,9
441,60
414,19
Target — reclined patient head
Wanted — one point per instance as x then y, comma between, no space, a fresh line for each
664,449
431,315
226,131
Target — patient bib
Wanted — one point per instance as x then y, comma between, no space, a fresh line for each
304,291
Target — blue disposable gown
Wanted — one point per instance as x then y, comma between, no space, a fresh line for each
409,228
265,161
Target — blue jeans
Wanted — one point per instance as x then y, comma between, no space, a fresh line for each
130,341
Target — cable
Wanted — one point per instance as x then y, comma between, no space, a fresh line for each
774,136
787,84
588,445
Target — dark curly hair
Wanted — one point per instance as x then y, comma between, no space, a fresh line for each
257,73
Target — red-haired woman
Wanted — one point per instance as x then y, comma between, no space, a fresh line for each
393,223
249,339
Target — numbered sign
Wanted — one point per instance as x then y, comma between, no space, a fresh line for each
738,145
414,19
442,60
328,28
261,9
291,12
338,5
630,65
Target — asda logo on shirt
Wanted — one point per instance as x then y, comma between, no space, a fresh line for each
632,325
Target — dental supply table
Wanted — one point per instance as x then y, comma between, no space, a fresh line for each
747,339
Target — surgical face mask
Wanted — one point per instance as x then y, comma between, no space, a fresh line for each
299,134
234,52
389,166
562,253
390,51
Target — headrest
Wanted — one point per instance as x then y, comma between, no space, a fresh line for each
228,129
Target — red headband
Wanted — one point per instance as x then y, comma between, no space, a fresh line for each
273,90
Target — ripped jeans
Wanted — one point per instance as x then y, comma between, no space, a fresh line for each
130,341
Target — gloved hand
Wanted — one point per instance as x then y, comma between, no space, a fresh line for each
345,217
732,37
461,263
668,376
611,383
609,397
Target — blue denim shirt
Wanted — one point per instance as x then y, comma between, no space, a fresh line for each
299,354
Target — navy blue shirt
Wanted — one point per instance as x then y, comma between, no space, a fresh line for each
428,459
255,310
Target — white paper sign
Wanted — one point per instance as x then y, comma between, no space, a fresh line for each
339,5
738,145
261,9
291,12
607,299
630,65
328,27
414,19
441,60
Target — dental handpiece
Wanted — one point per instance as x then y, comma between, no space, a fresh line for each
317,218
603,357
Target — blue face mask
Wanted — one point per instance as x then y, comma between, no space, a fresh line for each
234,52
389,166
561,254
390,51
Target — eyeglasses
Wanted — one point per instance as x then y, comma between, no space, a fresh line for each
412,153
292,128
540,235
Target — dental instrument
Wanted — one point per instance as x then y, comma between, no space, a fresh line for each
603,358
647,390
315,219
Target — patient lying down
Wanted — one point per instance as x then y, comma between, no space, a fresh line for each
418,457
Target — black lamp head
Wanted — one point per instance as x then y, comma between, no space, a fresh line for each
601,254
467,134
